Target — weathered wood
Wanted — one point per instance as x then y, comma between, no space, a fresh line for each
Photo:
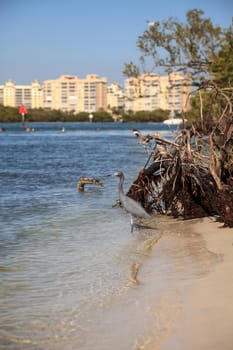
191,176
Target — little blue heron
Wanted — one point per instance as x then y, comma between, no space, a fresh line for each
133,207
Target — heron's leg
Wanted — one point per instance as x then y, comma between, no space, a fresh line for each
134,223
131,223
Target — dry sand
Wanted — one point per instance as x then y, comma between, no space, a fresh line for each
205,320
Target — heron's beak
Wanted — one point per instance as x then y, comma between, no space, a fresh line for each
107,175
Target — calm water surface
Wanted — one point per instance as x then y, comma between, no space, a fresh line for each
65,256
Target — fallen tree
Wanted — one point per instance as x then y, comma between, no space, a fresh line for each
191,175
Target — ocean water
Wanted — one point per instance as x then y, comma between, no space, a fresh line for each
66,256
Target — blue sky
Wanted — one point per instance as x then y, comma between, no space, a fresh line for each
43,39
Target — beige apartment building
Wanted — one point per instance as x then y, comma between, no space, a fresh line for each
94,93
62,94
69,93
150,92
115,96
13,95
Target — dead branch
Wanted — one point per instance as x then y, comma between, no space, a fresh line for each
191,176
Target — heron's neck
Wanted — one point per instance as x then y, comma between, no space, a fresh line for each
121,184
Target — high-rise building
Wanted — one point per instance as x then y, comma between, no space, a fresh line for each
176,89
13,95
115,96
62,94
69,93
150,92
94,93
9,94
1,94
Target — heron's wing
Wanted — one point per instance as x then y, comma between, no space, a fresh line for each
133,207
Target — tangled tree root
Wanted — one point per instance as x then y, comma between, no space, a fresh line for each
191,176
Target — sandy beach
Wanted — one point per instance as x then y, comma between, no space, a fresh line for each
203,318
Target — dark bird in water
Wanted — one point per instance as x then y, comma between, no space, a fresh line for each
133,207
28,128
142,139
88,180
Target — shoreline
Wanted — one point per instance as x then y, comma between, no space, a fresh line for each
205,315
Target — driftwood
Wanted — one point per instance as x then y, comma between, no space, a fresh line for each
88,180
190,176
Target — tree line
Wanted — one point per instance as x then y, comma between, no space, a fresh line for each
11,115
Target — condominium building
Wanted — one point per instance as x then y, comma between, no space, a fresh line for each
69,93
150,92
94,93
115,96
62,94
1,94
176,89
13,95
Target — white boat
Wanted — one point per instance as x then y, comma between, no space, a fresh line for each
173,120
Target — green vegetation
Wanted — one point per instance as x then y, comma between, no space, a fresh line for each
197,179
198,49
144,116
222,65
10,114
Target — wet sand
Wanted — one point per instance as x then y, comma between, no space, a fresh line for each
203,319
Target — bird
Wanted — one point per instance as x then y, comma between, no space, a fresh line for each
142,139
150,23
133,207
